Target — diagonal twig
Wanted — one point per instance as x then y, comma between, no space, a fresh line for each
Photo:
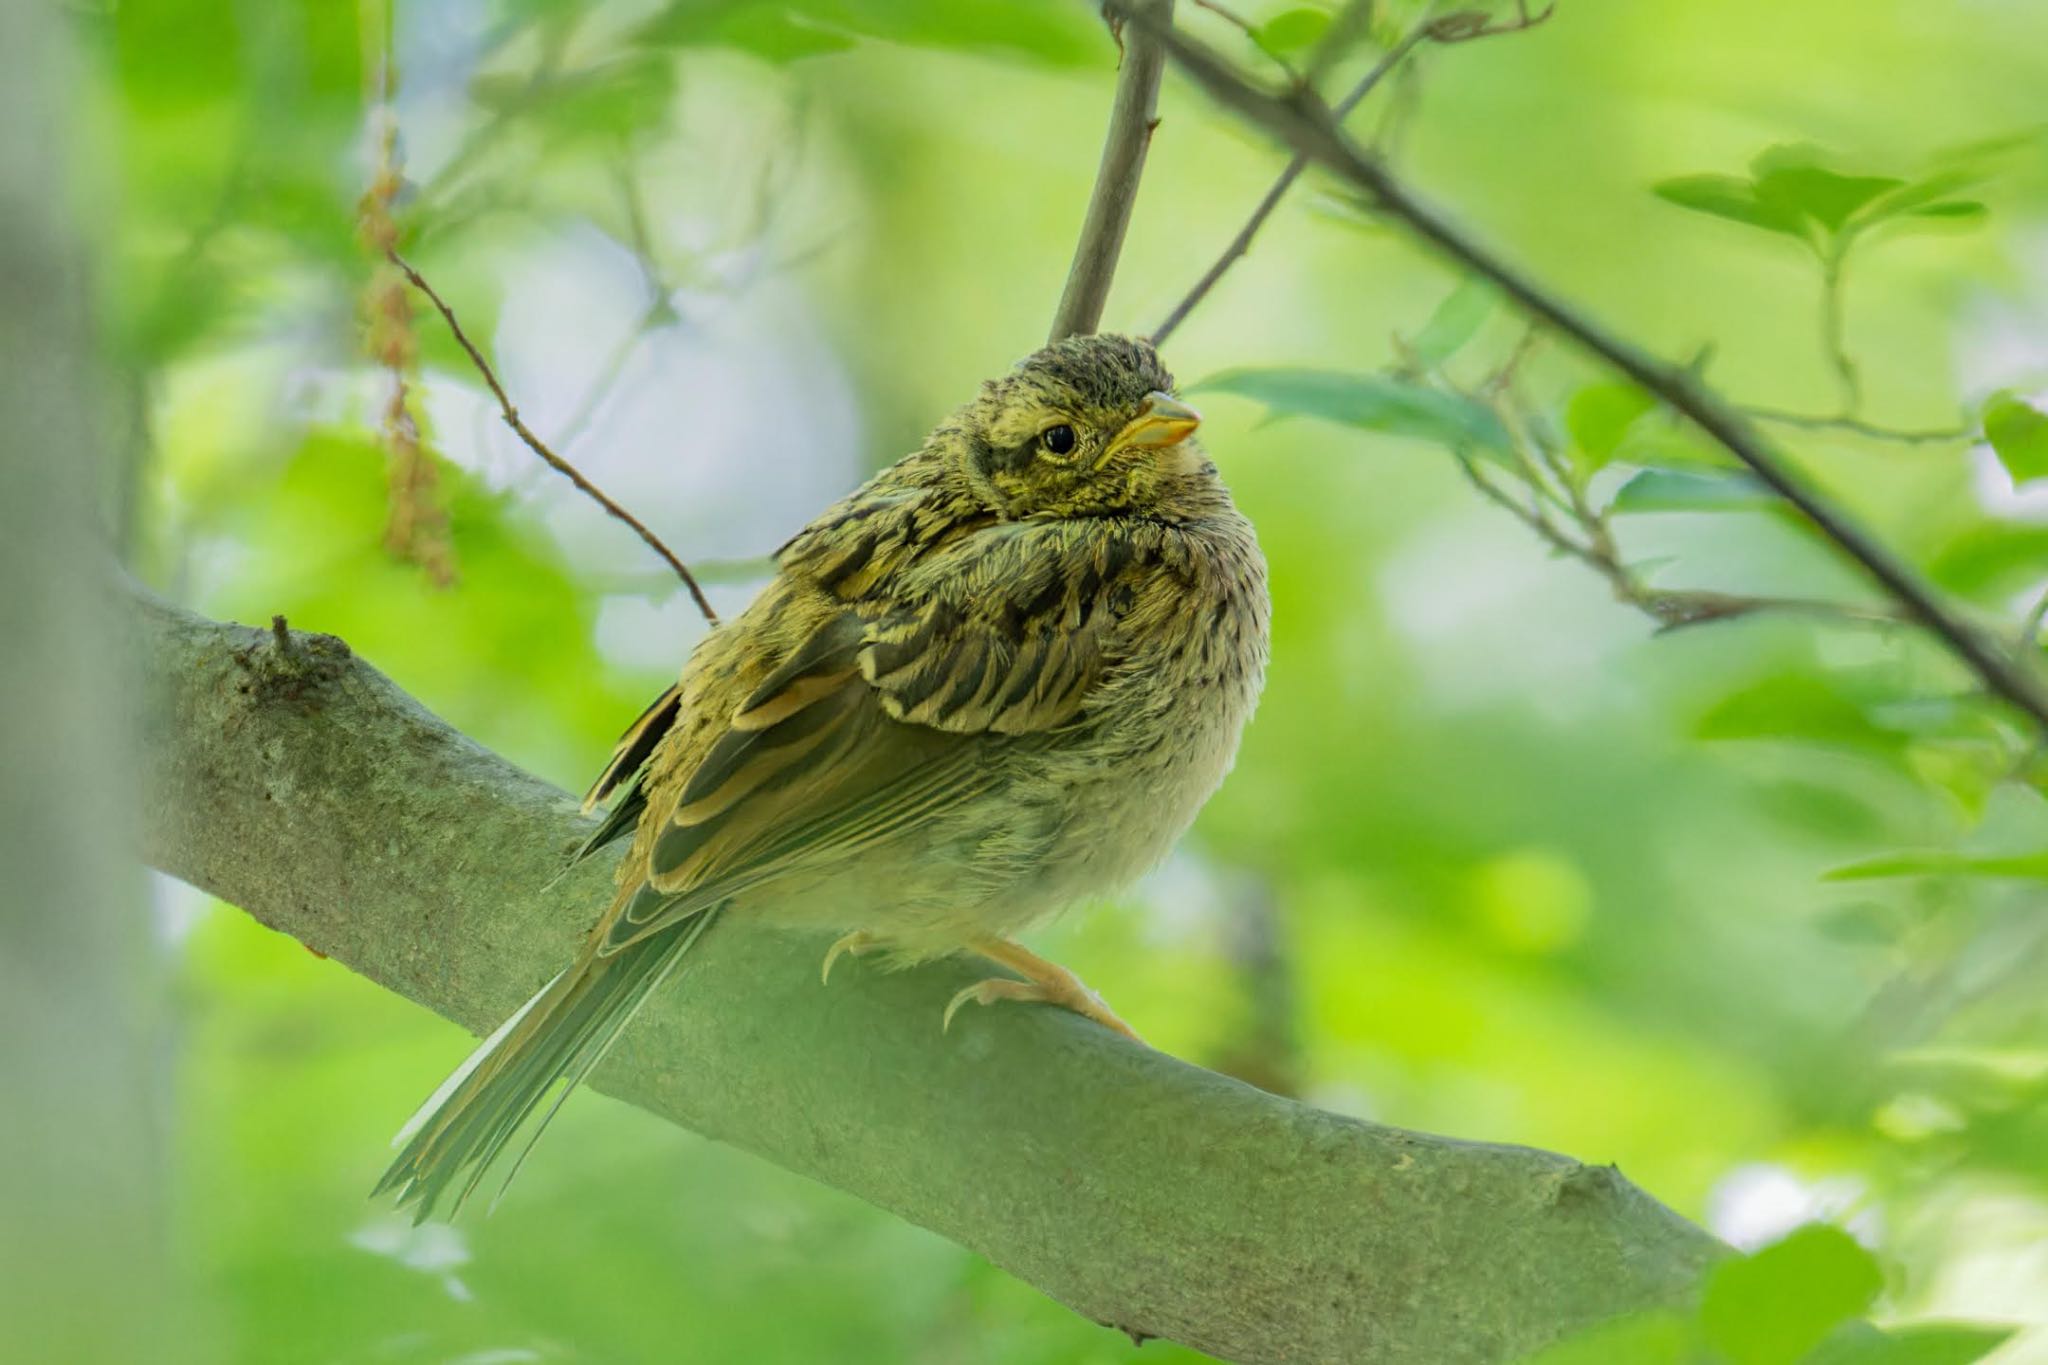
540,447
1302,122
1858,426
1452,28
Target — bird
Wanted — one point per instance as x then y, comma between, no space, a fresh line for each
1000,677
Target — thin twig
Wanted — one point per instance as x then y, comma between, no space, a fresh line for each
1131,120
1427,29
1832,328
1858,426
2030,629
1242,242
540,448
658,311
1302,123
1671,608
1231,17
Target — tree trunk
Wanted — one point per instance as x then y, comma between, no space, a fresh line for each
81,1232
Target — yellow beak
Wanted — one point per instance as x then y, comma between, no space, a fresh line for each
1162,421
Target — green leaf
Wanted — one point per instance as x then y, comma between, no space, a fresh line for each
1725,196
1371,402
1455,322
1599,416
1646,1339
1934,1343
1919,195
788,30
1773,1307
1294,31
2018,431
1669,490
1940,862
1801,707
1987,558
1795,179
1969,209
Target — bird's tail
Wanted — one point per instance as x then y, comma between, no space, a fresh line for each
552,1042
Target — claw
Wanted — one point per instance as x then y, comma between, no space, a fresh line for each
858,943
1063,991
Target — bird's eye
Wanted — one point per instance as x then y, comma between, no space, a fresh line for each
1059,440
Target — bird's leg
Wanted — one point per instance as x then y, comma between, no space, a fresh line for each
1045,982
859,943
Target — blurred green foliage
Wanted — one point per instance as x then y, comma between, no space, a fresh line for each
1757,908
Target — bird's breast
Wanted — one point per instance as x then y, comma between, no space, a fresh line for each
1163,730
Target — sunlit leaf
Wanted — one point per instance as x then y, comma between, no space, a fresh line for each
1800,707
1992,557
1940,862
1919,1344
1668,490
1794,179
1953,208
786,30
1647,1339
1455,322
1291,31
1773,1307
1599,416
1727,196
1371,402
1921,195
2018,432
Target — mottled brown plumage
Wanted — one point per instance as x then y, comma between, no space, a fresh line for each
1002,675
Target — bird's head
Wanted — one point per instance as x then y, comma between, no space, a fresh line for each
1088,426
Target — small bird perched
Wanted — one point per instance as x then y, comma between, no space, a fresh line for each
1001,675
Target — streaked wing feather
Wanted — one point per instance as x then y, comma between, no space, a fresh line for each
635,746
881,719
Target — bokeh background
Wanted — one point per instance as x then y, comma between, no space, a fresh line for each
1499,859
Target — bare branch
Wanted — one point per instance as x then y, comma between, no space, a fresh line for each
1452,28
1301,122
1132,116
540,448
1242,242
311,791
1860,427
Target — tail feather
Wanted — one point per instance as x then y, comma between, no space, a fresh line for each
551,1044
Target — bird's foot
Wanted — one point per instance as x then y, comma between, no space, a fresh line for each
859,943
1046,983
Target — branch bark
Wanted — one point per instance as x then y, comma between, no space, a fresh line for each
1301,122
299,783
1131,118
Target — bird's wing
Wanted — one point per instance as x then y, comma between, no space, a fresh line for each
886,714
628,765
635,746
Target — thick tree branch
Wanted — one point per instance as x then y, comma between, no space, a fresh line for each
1131,119
1300,121
1143,1192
